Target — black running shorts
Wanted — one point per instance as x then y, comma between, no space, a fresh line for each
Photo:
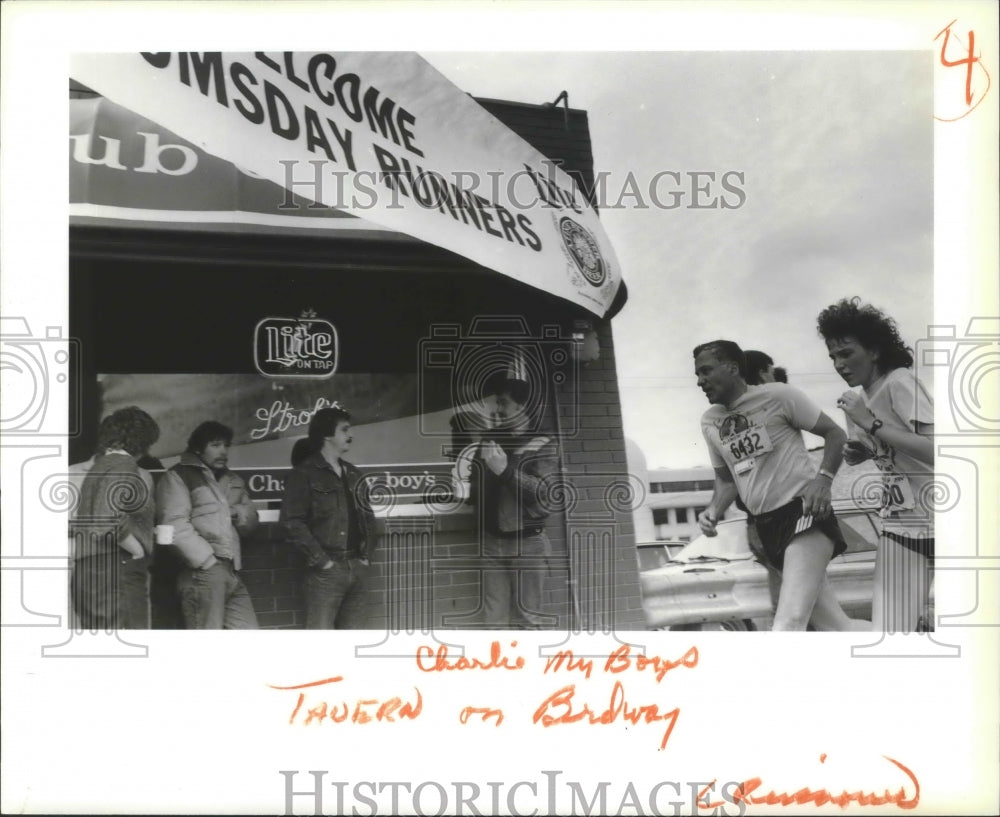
775,530
922,545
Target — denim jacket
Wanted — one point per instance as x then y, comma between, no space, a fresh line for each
314,512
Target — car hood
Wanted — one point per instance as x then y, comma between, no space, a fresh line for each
729,543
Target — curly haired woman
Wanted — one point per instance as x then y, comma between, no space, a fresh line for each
891,422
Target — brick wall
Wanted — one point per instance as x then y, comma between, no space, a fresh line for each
425,576
603,563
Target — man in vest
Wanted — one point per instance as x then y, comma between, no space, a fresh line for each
518,464
209,509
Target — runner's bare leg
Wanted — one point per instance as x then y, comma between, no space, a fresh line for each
829,616
802,579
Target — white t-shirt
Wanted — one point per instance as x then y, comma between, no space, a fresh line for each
901,401
758,438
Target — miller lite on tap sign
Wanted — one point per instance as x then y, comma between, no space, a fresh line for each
296,347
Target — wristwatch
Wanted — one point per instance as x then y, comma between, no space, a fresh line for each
824,473
875,427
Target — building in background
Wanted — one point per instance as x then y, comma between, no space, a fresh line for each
674,498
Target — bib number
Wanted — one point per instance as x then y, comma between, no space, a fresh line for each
897,495
748,444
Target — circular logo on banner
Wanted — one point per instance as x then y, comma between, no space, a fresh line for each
582,246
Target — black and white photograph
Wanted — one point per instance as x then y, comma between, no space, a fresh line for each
649,344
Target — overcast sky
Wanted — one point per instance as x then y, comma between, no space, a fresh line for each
836,152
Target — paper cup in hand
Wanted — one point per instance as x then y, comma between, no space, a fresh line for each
164,534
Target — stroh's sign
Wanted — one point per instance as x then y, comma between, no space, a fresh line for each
281,416
383,136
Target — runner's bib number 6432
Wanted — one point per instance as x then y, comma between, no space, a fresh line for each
743,447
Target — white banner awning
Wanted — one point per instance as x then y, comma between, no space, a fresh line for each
384,136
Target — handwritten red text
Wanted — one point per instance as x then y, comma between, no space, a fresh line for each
621,660
429,660
745,793
974,92
561,707
359,710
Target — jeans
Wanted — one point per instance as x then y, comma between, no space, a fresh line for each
337,598
164,600
110,591
215,599
513,580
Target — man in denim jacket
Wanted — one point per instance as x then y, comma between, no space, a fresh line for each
519,464
324,514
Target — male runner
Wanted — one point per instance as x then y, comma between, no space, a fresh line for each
754,440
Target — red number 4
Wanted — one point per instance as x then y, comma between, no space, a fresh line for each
969,60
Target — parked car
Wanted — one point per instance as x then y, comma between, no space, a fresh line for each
714,583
